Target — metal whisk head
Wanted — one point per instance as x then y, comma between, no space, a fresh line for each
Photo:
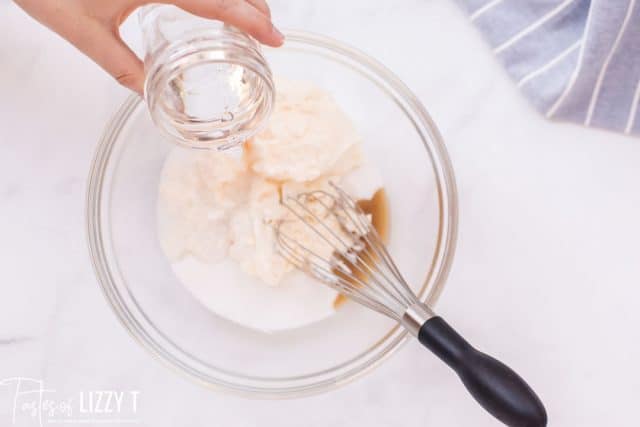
330,238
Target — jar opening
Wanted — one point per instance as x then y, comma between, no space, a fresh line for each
206,86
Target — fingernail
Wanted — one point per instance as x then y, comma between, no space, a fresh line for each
278,34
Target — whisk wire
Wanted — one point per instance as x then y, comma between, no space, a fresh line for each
347,250
324,270
355,262
363,232
327,275
383,254
317,221
381,251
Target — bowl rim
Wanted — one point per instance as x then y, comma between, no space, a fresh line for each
263,387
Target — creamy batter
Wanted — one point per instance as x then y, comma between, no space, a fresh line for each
216,210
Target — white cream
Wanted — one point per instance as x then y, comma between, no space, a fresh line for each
308,137
216,211
229,292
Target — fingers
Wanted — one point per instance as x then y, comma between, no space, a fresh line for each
124,66
250,19
105,47
261,5
95,35
246,16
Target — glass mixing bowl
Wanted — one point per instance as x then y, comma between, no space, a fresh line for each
399,137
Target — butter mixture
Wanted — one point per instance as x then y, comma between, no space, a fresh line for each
216,210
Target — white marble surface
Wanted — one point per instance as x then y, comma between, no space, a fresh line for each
546,273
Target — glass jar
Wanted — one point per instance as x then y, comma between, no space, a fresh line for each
207,84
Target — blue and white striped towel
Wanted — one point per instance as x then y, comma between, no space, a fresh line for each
576,60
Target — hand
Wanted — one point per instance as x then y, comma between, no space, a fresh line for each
93,27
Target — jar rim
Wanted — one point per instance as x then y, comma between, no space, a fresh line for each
234,110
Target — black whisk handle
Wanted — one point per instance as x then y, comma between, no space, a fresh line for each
499,390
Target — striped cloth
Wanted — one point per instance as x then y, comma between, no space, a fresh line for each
576,60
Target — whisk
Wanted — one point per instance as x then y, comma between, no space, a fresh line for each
343,250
